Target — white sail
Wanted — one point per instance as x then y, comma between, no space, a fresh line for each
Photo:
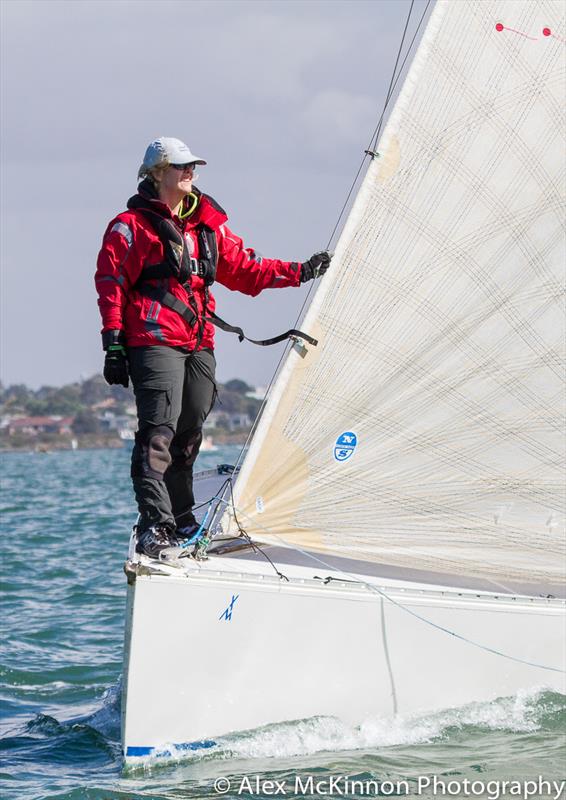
440,325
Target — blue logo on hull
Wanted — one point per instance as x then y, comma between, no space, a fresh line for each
227,613
345,445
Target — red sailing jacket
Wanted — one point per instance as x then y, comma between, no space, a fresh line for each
131,243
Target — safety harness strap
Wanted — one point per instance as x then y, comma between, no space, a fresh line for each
179,265
163,270
169,301
292,332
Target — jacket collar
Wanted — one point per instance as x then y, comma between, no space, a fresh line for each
208,212
146,197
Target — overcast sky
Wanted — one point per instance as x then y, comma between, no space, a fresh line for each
279,97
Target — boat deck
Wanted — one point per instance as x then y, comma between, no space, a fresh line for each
236,555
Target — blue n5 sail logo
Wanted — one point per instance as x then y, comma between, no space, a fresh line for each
345,445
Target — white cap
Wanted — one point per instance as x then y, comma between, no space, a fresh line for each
166,150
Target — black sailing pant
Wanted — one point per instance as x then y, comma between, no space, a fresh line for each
175,392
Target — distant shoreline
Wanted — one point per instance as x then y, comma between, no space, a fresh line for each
51,443
91,415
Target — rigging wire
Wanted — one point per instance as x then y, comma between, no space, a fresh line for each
248,538
375,135
375,589
219,496
392,82
371,587
200,533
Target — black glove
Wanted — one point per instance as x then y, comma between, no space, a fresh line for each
116,361
316,266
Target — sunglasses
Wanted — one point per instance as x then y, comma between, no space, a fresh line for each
184,167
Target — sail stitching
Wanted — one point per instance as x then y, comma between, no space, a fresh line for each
440,332
375,134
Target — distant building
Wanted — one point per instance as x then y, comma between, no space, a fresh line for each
231,422
239,421
257,394
117,422
108,403
32,426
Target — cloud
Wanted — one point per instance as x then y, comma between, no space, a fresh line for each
280,97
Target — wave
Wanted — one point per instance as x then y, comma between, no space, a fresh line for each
92,735
528,711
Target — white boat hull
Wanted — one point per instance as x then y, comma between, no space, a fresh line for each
221,646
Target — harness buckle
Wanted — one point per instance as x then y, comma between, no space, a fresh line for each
195,266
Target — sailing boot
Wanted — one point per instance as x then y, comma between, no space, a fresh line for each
153,540
187,526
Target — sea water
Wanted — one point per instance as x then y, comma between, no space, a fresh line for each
66,518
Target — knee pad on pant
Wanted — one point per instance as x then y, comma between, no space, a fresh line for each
151,456
185,448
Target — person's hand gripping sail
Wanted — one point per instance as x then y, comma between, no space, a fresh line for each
316,266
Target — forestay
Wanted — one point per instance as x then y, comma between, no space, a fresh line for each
441,325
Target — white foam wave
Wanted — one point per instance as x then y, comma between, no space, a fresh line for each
519,713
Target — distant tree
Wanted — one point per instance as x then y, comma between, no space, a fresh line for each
17,393
64,400
44,392
252,407
222,423
36,407
238,386
121,394
94,390
230,402
86,422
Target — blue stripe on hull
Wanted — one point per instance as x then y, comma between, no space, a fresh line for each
147,751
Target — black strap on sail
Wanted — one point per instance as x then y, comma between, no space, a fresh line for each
292,332
170,301
178,264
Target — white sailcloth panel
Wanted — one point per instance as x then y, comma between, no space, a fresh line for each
441,325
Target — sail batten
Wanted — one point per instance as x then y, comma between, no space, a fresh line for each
440,325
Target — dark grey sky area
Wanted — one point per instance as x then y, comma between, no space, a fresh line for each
280,97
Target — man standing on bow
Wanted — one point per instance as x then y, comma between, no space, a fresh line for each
157,263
